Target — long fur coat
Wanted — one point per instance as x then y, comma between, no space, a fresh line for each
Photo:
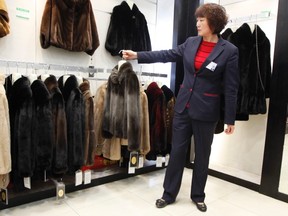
70,25
122,106
60,148
127,30
5,142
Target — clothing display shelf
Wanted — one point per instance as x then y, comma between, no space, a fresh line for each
262,16
46,189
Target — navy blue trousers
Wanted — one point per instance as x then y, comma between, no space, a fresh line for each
183,129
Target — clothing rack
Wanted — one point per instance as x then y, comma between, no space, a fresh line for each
262,16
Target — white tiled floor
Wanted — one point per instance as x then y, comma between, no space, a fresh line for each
136,196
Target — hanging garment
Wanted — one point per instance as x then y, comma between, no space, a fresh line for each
122,107
21,115
75,116
60,148
90,142
5,142
255,69
127,30
70,25
43,124
157,118
4,19
169,114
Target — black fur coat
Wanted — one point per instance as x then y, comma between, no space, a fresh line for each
127,30
122,107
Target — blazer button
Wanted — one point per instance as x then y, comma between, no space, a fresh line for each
187,105
190,89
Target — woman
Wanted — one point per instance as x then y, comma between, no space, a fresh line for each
210,69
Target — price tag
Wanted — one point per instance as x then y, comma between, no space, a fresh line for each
87,177
159,161
78,177
27,182
141,161
131,170
60,190
4,196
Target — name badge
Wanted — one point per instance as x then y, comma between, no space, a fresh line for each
211,66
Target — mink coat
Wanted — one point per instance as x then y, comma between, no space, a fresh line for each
43,124
127,30
89,139
70,25
122,106
75,116
60,148
5,142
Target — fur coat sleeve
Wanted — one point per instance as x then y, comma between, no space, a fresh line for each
69,25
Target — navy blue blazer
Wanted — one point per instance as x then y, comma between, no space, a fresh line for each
200,91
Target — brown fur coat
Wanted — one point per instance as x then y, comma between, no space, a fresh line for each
70,25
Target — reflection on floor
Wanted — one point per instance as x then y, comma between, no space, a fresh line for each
136,196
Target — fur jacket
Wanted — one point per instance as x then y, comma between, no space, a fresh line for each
255,69
4,19
75,116
157,118
5,142
127,30
122,106
43,124
70,25
60,148
111,148
89,142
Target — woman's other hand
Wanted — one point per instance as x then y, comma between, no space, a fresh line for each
230,129
129,55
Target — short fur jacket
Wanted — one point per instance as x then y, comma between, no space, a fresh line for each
70,25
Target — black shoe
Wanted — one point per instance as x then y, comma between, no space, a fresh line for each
161,203
201,206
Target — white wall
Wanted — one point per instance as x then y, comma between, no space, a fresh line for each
241,154
23,44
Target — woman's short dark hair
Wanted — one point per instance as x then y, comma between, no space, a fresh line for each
215,15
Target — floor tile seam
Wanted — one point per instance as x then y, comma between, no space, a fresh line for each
71,207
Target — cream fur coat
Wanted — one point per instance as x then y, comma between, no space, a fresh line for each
5,155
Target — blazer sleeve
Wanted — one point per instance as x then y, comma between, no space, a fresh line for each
171,55
231,84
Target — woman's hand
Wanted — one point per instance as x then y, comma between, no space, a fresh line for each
230,129
129,55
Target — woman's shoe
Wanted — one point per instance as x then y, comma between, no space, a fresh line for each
201,206
161,203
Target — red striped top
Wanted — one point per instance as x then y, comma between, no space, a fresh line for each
203,52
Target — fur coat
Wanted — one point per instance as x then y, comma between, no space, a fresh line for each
75,116
254,82
4,19
127,30
122,106
169,115
21,115
60,152
43,121
70,25
111,148
157,116
5,142
89,142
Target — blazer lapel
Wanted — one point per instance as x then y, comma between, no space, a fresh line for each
218,49
194,48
